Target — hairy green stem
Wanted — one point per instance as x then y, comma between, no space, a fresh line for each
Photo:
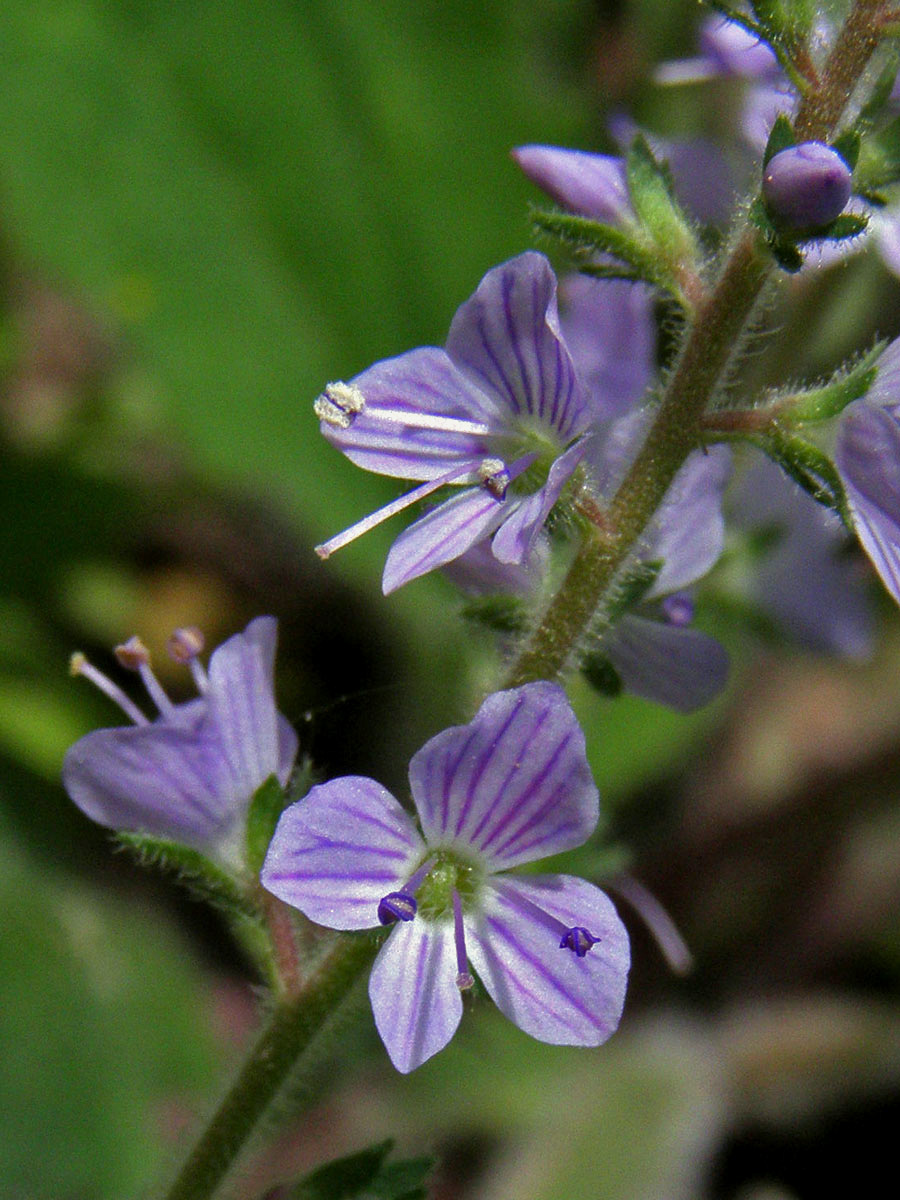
290,1032
720,321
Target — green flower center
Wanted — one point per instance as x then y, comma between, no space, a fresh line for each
450,873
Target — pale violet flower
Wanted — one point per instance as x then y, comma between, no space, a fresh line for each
189,773
511,787
499,413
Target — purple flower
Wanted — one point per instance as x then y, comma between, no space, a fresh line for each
867,456
806,186
592,185
500,411
511,787
726,49
190,773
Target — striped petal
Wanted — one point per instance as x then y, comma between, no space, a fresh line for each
256,741
422,382
415,1001
590,184
507,339
167,780
867,456
518,535
688,531
338,851
545,989
673,665
442,535
513,785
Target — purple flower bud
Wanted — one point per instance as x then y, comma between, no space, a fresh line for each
806,186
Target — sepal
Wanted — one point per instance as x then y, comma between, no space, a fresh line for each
845,386
810,467
601,674
365,1174
502,613
633,587
781,137
586,238
199,873
652,194
266,806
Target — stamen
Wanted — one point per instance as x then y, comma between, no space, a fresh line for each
184,646
494,477
79,665
339,405
396,906
390,510
411,419
464,979
678,609
672,945
135,656
579,940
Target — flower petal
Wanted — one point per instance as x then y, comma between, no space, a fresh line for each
423,381
542,987
609,329
507,338
688,531
591,184
867,456
167,780
513,785
415,1001
517,536
336,853
442,535
256,742
673,665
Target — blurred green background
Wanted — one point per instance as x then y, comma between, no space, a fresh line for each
207,211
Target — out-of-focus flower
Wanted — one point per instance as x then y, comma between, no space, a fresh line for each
511,787
500,411
190,773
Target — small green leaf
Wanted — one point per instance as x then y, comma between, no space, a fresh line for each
781,138
266,807
601,674
845,386
366,1174
204,877
847,225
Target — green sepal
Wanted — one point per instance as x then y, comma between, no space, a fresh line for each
632,588
593,237
879,161
266,806
203,876
847,145
781,137
366,1174
601,674
610,271
652,195
783,251
501,613
847,225
810,467
845,386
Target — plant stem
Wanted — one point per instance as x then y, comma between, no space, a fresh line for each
291,1029
706,353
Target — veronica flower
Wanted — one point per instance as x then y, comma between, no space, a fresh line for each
509,788
499,413
189,773
867,456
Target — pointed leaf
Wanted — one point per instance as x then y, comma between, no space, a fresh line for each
204,877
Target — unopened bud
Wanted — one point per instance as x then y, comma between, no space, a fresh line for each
806,186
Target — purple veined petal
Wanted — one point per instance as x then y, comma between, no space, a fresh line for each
442,535
734,50
415,1001
517,536
420,382
542,987
885,391
166,780
590,184
673,665
867,455
336,853
611,335
887,233
256,742
506,337
513,785
688,531
478,572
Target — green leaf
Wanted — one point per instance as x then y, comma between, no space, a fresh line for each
781,137
633,587
267,805
845,386
366,1175
810,467
847,145
601,674
847,225
593,237
502,613
653,199
204,877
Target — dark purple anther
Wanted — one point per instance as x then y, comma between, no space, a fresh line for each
578,939
396,906
806,186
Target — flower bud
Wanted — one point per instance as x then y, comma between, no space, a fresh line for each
806,186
